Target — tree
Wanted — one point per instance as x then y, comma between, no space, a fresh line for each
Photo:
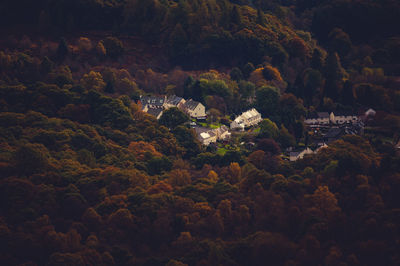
285,138
257,158
339,41
248,69
312,84
236,74
187,139
317,59
325,202
62,50
179,177
32,158
269,146
334,76
236,17
267,101
178,43
93,81
84,45
260,17
113,46
173,117
268,129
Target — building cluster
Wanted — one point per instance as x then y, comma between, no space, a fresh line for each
326,127
207,136
249,118
156,105
337,118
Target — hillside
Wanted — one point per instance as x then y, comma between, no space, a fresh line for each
305,94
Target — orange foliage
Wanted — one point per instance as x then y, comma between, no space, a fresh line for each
160,187
179,177
142,149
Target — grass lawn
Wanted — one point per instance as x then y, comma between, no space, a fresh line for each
212,126
221,151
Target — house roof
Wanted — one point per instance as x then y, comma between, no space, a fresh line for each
343,113
323,115
247,115
294,153
190,104
370,111
174,100
152,100
200,130
312,116
334,132
155,111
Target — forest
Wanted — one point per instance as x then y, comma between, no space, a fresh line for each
88,178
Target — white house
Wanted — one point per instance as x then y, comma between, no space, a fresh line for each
222,133
152,102
193,109
206,135
325,118
246,119
343,118
320,118
370,112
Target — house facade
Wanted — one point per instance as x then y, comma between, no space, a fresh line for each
325,118
207,136
343,118
193,109
155,105
246,119
152,102
222,133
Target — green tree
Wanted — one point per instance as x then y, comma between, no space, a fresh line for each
178,43
334,76
268,129
114,47
317,59
285,138
62,50
236,74
267,101
260,17
32,158
173,117
248,69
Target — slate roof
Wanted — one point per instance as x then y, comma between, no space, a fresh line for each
334,133
323,115
155,111
190,104
152,100
174,100
247,115
343,113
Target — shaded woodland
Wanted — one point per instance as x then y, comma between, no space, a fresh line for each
87,178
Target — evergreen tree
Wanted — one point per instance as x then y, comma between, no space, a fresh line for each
260,17
62,50
317,60
334,76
